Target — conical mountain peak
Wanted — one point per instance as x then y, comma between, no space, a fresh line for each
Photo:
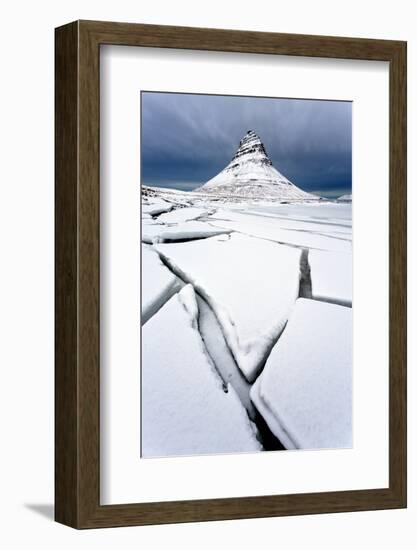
251,146
251,175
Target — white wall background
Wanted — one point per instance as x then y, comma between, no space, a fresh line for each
26,271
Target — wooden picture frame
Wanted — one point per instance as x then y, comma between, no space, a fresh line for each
77,382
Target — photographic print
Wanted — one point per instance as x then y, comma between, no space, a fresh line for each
246,274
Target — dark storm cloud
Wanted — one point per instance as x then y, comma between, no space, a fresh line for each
187,139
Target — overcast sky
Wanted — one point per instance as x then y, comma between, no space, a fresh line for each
187,139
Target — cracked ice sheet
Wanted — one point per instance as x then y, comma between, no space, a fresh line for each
158,283
158,233
182,215
343,223
184,408
250,284
305,390
327,211
326,227
331,276
269,228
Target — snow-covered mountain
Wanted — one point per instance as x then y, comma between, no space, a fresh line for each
344,198
251,175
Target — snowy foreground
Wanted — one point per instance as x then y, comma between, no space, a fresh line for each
247,325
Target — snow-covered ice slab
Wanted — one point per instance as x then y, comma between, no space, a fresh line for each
305,390
182,215
221,355
331,276
184,408
155,207
158,233
158,283
250,284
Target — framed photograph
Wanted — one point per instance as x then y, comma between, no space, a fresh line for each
230,274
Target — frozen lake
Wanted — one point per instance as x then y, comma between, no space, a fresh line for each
246,316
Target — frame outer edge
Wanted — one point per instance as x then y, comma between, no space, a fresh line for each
88,274
66,267
77,275
398,274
